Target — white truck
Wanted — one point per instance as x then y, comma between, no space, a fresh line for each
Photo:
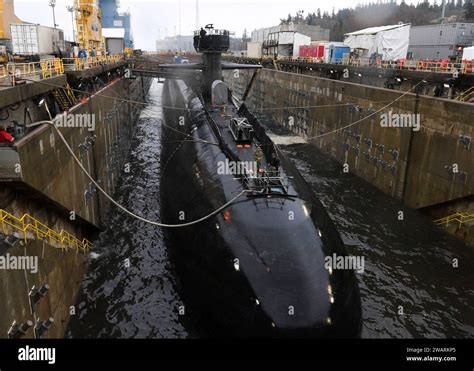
34,40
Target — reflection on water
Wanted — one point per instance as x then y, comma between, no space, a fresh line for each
407,263
139,301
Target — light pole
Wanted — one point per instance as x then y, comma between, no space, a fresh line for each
52,4
70,9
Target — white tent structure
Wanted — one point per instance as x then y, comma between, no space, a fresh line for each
468,53
389,41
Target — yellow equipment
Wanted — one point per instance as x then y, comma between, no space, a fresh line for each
89,25
128,52
7,16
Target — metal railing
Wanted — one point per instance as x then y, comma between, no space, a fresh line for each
79,64
41,231
466,95
459,218
12,72
411,65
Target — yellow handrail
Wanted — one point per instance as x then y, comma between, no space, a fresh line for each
460,218
41,70
465,95
78,64
27,222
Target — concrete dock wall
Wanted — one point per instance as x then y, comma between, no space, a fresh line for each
47,166
39,177
424,168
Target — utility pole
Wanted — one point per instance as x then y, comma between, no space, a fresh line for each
179,5
70,9
52,4
197,15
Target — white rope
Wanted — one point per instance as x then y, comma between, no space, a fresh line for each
363,118
128,211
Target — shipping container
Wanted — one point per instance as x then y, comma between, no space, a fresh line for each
312,51
334,51
338,53
33,39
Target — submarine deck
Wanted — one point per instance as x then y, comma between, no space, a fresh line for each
245,152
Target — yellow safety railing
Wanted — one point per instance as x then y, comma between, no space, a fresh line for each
78,64
51,67
466,95
459,218
32,70
41,231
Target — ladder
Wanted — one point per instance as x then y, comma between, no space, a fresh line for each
64,97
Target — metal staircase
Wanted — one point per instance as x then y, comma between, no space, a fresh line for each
64,97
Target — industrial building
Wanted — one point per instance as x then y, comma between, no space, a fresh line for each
112,18
284,43
316,33
440,41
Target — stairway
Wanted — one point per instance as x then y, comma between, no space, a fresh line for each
64,97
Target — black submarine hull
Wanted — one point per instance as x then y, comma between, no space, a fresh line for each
250,270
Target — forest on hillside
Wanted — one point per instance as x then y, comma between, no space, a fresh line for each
384,13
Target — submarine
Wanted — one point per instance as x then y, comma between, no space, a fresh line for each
255,268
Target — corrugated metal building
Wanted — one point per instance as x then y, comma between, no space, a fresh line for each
440,41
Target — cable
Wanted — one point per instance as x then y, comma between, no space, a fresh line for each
197,109
163,225
363,118
128,211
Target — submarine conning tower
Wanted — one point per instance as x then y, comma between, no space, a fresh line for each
211,43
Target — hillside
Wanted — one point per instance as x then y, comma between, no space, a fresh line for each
384,13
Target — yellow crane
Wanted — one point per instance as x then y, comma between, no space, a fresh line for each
7,16
89,25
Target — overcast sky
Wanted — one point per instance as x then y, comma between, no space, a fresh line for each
153,19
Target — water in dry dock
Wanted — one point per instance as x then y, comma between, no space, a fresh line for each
407,263
139,301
